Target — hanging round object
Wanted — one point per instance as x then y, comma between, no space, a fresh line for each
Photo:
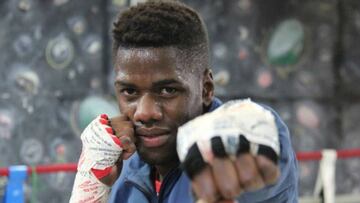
31,151
222,78
24,5
87,110
92,45
28,81
77,24
59,52
24,79
24,45
286,43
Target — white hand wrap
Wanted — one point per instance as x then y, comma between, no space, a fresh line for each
101,150
234,118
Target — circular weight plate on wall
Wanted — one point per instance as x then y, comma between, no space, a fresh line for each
23,45
31,151
59,52
24,79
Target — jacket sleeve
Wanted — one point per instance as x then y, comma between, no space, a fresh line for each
286,189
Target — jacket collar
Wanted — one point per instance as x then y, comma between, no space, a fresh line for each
138,172
215,104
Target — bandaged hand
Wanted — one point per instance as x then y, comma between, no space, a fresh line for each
101,157
229,151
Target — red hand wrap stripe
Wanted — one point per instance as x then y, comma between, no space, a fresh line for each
101,173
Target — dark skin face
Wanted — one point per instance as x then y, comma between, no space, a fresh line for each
158,92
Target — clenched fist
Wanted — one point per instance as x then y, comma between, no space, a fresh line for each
230,151
106,142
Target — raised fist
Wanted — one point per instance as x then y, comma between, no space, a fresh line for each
105,144
231,150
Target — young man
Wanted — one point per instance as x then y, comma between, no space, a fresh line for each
163,80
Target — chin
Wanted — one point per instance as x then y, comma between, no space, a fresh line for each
158,156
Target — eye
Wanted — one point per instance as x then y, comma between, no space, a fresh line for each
128,91
168,91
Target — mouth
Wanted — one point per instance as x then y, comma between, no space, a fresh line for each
153,137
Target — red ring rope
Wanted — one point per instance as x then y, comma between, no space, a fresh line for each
316,155
71,167
51,168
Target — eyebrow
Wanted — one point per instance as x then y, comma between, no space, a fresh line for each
165,82
122,83
156,84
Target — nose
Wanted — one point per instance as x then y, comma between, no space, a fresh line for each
147,110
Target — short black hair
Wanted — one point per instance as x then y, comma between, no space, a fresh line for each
161,24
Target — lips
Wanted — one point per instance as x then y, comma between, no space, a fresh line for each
153,137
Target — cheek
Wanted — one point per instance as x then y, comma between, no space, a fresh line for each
171,109
182,110
125,107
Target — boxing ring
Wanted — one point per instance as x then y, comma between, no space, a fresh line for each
324,188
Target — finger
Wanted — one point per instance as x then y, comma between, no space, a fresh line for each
124,128
105,120
268,152
119,123
269,170
204,186
120,126
248,173
125,131
119,118
224,171
126,137
111,133
129,147
194,162
226,178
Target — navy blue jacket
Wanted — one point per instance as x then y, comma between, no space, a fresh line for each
134,184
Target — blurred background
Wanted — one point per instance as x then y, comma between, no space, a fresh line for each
302,57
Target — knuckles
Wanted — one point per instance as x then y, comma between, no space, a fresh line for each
226,178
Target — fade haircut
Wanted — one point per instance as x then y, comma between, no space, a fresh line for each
163,24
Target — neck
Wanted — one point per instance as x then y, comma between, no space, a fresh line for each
165,169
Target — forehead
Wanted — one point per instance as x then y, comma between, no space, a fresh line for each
151,62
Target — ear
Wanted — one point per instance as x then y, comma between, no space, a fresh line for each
208,87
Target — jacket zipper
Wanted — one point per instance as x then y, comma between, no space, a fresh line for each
165,182
144,191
